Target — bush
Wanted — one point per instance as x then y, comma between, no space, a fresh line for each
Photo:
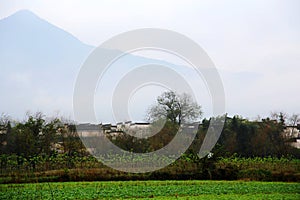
229,172
255,174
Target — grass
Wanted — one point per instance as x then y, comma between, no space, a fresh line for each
152,189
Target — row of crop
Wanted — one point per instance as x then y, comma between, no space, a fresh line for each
15,163
268,163
62,167
152,189
10,163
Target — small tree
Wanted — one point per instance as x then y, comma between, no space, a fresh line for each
70,140
32,137
294,121
5,132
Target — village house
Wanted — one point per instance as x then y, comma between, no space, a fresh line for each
292,134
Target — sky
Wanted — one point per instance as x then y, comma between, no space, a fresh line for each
243,38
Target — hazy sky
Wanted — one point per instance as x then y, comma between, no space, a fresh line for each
259,38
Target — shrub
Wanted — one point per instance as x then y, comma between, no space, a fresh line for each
255,174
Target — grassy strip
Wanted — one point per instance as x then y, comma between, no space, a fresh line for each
150,189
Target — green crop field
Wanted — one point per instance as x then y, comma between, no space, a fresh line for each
152,189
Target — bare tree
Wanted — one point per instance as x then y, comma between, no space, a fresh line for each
4,119
293,121
175,108
280,117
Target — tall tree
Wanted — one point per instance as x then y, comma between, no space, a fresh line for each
175,108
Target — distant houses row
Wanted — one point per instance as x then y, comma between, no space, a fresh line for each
88,130
293,134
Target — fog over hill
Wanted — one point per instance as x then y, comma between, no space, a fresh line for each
40,62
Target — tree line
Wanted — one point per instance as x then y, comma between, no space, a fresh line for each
38,135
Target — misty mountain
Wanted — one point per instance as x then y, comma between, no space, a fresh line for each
39,63
26,39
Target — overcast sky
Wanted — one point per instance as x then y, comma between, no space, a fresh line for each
259,38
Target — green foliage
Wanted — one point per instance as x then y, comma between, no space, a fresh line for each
62,167
252,150
152,189
254,138
38,136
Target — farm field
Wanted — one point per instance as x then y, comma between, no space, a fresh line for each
152,189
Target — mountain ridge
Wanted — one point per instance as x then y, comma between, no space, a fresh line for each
29,39
26,17
39,64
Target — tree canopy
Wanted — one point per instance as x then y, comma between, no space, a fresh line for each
176,108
